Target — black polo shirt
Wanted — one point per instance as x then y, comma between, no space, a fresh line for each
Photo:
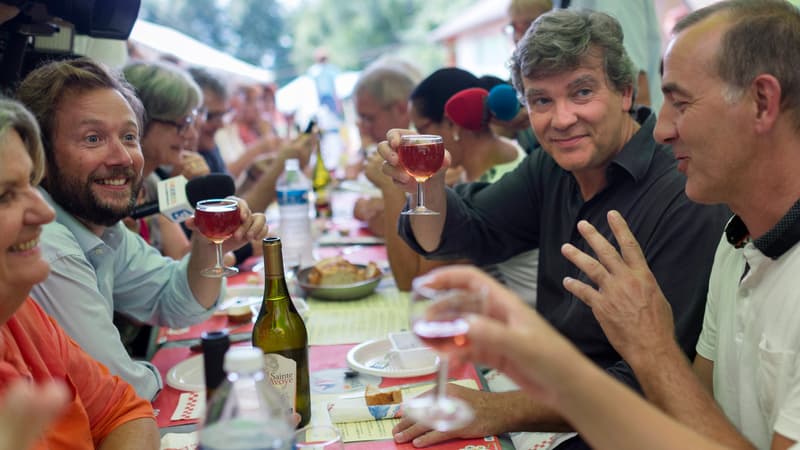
539,205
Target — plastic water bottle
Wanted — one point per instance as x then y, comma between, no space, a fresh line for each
245,412
294,190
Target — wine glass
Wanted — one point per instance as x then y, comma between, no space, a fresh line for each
217,219
421,155
438,319
318,437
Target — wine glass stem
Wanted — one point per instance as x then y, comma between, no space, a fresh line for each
420,196
219,255
441,377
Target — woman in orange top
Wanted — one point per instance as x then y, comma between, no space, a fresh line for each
97,410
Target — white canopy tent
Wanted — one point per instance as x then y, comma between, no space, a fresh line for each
168,41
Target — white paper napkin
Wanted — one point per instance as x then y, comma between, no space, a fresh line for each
179,441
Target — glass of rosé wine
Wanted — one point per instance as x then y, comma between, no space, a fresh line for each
217,219
438,319
421,155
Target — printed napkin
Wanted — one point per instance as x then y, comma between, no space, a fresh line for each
191,405
499,382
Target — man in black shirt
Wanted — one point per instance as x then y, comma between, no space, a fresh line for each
598,155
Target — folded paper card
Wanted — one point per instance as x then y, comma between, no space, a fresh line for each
355,409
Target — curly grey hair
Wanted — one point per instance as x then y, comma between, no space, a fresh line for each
561,40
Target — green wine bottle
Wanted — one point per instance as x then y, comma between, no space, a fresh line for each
321,184
281,334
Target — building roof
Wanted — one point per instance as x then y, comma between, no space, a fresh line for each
482,12
169,41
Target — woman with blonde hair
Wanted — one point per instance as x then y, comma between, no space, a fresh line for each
78,404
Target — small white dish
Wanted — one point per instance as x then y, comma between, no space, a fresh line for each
188,375
405,340
377,357
411,351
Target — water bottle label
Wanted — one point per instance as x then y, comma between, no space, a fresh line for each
293,197
282,372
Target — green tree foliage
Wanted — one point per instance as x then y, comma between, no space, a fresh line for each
357,32
201,19
263,38
353,32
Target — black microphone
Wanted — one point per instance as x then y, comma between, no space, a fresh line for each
177,196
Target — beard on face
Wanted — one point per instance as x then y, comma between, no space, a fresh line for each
78,199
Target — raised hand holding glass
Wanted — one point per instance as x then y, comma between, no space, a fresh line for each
421,155
218,219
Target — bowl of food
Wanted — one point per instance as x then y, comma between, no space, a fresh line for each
338,279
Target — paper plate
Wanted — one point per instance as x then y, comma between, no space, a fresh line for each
372,357
188,375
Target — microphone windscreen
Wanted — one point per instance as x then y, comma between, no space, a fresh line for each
213,185
466,108
503,102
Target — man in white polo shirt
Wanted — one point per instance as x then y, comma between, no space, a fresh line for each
732,116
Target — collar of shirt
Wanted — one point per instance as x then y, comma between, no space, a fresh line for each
775,242
637,154
112,236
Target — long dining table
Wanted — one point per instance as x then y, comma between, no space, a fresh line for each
338,330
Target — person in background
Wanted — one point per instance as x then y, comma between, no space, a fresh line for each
324,74
259,190
91,123
596,156
249,137
732,116
171,102
216,106
381,102
381,97
521,14
54,395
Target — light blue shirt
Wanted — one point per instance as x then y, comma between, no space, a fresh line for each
91,277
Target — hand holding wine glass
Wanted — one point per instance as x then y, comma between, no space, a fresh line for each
422,156
412,160
438,318
218,219
505,333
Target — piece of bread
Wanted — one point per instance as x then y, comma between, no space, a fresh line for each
338,271
386,396
239,313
